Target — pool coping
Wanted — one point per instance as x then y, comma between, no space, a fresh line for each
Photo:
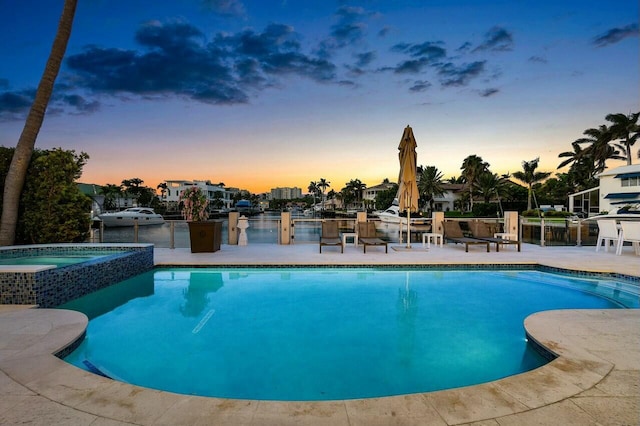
593,380
578,369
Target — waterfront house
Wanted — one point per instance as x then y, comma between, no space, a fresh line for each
618,187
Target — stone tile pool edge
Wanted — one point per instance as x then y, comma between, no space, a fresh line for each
575,371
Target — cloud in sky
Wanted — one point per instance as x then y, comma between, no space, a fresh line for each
176,59
232,8
497,39
614,35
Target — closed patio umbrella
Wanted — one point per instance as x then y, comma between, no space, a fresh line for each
407,183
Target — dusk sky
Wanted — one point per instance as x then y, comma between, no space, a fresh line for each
260,94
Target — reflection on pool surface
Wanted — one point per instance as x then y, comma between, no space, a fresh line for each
59,261
326,333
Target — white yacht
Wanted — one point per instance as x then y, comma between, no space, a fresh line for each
627,212
393,215
128,217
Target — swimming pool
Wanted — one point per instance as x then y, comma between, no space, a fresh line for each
58,261
324,333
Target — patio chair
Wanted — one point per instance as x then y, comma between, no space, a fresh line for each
481,231
330,236
452,232
367,236
608,233
630,232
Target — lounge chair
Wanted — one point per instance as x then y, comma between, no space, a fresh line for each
607,233
367,236
452,232
630,232
330,236
481,231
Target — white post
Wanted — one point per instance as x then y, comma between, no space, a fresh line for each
243,224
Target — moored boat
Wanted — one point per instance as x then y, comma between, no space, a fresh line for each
393,215
627,212
129,217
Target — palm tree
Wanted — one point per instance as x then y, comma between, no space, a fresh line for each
353,191
578,154
582,172
489,185
323,184
110,192
430,184
163,189
313,189
625,128
16,175
599,147
472,167
529,176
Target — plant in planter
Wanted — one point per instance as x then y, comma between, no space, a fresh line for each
194,204
205,236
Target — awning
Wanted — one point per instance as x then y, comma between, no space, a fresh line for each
627,175
622,195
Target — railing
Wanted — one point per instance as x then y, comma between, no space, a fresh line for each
558,231
266,230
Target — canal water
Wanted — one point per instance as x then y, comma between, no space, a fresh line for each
263,229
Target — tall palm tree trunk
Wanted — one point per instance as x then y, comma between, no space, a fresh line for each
17,172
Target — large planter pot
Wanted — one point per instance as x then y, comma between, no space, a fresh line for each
205,236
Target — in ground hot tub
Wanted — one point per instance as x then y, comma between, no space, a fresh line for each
48,275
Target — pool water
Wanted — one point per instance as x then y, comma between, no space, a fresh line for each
323,334
59,261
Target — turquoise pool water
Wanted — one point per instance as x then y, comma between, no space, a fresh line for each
323,334
59,261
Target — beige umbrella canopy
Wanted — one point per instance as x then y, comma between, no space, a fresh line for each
407,183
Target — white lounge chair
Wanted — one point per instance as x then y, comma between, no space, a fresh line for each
630,232
607,232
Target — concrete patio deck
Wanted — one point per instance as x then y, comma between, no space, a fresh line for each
594,381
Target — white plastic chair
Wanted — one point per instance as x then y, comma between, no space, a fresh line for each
630,232
607,232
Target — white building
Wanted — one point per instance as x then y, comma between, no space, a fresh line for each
370,193
447,201
213,192
617,187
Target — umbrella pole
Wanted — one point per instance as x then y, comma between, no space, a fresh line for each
408,228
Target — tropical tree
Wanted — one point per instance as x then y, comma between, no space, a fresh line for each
110,192
17,173
163,189
472,167
313,189
57,212
599,147
529,176
456,180
582,172
352,192
489,185
385,198
626,129
430,184
323,184
556,190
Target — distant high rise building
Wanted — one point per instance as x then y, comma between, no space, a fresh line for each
286,193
